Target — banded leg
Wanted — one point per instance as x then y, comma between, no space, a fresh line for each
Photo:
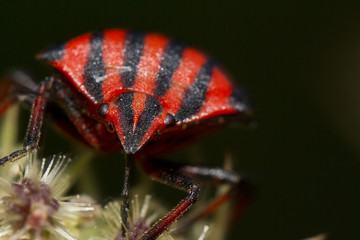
172,177
19,87
33,132
182,177
241,190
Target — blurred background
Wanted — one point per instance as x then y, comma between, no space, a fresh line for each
299,60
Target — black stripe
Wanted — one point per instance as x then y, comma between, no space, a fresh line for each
239,100
170,61
134,45
196,93
53,53
94,71
126,114
152,109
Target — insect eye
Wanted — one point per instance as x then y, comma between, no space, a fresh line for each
169,120
110,127
103,110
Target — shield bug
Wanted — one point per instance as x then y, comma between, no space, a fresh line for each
141,93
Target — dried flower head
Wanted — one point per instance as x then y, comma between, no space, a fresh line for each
140,220
34,206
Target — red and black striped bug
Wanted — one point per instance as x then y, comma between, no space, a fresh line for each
140,93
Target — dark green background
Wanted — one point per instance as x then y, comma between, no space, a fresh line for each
300,60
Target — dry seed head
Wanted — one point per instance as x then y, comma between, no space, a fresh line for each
141,217
34,206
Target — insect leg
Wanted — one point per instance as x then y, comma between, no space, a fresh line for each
241,189
172,177
125,193
16,86
33,132
75,115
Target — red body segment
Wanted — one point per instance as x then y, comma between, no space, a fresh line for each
113,57
149,64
